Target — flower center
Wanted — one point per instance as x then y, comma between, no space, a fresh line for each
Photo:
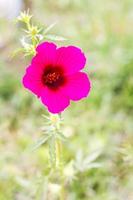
53,77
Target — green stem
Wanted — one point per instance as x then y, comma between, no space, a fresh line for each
59,165
56,122
58,153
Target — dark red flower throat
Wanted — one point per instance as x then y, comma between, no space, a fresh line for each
53,77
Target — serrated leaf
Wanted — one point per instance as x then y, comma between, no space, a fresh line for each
49,28
40,142
83,164
55,37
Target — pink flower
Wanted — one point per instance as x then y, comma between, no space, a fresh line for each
54,76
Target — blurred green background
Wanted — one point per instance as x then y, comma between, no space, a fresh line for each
98,156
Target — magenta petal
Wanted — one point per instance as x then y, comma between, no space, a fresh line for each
54,100
47,53
71,58
33,83
35,70
38,62
77,86
45,56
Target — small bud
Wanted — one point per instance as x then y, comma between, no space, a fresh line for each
24,17
33,31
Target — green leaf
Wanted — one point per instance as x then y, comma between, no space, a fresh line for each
16,52
61,137
55,37
40,142
49,28
93,165
92,157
